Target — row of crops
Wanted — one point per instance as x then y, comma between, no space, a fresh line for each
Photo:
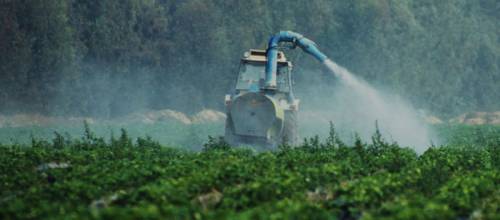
121,178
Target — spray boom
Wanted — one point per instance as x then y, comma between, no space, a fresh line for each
272,52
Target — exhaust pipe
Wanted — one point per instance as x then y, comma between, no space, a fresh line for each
272,53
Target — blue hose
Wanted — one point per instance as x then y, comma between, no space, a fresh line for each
272,53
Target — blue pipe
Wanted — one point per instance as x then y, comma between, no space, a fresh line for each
272,53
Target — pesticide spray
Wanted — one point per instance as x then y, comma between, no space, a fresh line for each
356,106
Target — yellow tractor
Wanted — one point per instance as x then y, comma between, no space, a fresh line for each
262,110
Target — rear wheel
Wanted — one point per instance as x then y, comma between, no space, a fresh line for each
290,128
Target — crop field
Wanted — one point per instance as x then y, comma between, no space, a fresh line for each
90,177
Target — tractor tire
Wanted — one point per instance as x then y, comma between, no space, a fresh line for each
290,129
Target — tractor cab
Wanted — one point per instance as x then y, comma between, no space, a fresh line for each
251,74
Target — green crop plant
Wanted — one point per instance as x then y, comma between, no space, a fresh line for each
127,178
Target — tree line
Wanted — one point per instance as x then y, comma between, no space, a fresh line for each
107,58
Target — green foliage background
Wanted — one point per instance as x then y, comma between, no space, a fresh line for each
91,56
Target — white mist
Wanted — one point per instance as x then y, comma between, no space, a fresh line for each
354,106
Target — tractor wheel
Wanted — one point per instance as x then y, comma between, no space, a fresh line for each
290,128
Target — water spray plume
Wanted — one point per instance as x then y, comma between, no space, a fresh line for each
358,106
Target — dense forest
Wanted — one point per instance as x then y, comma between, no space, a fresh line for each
109,57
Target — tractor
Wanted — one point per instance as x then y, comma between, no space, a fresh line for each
262,111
